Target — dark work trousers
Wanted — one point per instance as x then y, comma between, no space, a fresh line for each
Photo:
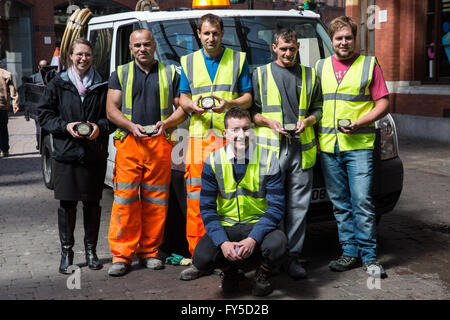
269,253
4,138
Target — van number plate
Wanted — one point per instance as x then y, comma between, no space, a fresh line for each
319,195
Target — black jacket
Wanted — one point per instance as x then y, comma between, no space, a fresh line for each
61,104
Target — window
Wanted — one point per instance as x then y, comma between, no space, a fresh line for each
252,35
367,29
101,40
123,53
437,46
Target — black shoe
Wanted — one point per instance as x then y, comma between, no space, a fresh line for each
374,269
230,281
261,284
66,261
66,227
294,268
91,220
344,263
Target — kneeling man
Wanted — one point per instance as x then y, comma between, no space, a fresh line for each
241,205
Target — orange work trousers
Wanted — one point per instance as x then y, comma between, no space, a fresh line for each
198,150
141,193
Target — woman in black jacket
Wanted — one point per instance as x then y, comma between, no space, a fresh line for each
76,96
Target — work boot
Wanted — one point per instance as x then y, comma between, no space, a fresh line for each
294,268
344,263
152,263
230,280
261,284
91,220
193,273
119,269
66,227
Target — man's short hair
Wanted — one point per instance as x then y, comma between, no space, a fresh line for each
236,113
287,34
341,22
211,19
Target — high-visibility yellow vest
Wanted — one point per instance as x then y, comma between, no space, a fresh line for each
271,109
225,86
126,75
349,99
243,202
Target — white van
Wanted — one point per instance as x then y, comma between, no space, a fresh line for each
249,31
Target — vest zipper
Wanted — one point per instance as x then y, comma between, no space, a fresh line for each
237,201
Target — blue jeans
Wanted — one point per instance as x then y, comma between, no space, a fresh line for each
348,178
4,138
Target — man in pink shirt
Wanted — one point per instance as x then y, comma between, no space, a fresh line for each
354,97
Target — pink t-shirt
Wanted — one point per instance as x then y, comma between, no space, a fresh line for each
377,88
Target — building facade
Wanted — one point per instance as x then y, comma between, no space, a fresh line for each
411,39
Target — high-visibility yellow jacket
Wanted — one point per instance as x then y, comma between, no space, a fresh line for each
271,109
225,86
243,202
125,74
349,99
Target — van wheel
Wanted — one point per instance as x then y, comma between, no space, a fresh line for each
46,162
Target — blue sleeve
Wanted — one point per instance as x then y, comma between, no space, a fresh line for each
208,206
184,83
275,204
245,80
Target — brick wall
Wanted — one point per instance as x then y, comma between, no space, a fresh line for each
399,47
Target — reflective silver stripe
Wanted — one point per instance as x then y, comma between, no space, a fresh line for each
267,141
214,88
263,71
254,194
194,181
226,195
234,81
169,76
251,219
302,112
320,68
234,222
158,201
125,70
229,220
360,130
190,70
155,187
268,109
243,192
308,146
193,195
346,97
126,185
121,200
365,75
308,79
327,130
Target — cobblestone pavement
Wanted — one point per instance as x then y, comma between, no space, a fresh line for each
414,242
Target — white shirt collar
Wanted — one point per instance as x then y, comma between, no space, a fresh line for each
231,156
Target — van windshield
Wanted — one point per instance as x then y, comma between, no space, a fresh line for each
253,35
